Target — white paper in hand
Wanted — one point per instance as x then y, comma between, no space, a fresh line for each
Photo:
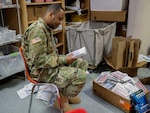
79,53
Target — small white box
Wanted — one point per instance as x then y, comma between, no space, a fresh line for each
108,5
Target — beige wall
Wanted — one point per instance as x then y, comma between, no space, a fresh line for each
139,23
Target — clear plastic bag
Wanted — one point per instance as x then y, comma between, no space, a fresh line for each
7,35
11,62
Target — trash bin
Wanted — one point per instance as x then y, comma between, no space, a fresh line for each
96,37
10,60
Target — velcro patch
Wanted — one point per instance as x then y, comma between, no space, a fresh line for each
36,40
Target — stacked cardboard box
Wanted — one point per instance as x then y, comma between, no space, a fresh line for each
34,12
125,51
124,55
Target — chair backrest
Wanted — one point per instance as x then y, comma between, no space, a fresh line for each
26,67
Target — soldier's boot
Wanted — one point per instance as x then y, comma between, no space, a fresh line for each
65,104
74,100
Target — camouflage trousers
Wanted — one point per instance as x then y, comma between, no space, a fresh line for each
69,79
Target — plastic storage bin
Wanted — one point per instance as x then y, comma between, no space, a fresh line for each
7,36
11,61
96,37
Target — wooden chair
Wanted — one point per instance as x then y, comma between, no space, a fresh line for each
27,74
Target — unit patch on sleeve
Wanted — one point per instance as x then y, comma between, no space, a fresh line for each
36,40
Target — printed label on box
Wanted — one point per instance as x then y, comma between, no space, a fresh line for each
124,105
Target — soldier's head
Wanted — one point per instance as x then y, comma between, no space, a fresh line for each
54,15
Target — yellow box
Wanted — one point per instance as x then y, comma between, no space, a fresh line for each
79,18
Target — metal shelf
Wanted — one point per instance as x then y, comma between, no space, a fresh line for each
9,6
2,8
17,6
9,42
44,3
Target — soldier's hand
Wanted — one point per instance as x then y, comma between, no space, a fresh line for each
70,58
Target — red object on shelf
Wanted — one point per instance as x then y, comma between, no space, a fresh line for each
79,110
48,0
37,0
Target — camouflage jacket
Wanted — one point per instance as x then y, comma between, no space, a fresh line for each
40,49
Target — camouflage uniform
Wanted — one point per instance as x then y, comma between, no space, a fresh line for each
46,65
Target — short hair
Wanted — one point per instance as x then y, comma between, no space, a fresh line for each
55,8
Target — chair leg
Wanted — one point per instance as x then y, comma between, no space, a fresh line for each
39,84
30,104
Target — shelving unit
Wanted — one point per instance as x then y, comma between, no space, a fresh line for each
10,17
30,12
78,13
83,11
11,8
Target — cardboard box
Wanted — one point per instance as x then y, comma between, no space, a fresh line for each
118,51
111,97
115,16
79,18
135,51
34,12
125,51
132,71
145,81
108,5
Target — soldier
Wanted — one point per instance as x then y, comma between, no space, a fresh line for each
44,62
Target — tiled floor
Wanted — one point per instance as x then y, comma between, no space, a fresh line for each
11,103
